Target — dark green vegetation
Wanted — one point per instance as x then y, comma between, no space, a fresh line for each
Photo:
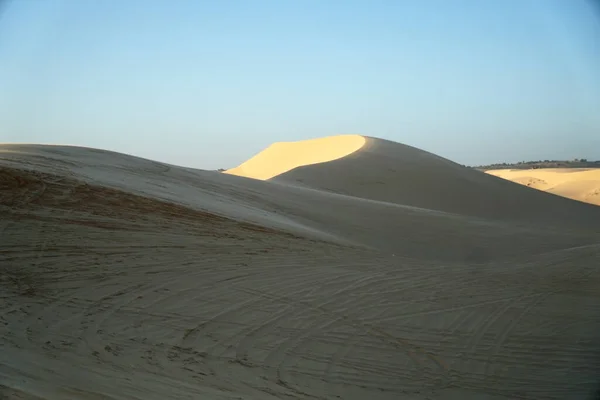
576,163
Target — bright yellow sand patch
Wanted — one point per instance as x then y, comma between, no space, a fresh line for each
285,156
581,184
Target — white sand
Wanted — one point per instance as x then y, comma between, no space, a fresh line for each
388,273
581,184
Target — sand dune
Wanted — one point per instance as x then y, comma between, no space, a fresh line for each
575,183
285,156
365,276
395,173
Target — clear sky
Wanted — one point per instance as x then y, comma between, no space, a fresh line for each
207,84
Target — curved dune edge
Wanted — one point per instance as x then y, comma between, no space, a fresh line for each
581,184
282,157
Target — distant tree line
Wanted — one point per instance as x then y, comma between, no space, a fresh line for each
576,163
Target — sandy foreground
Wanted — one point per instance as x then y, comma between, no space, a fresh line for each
581,184
385,272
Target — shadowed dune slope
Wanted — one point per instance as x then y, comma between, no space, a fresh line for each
391,172
581,184
297,210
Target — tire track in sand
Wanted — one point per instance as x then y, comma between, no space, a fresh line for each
405,346
313,285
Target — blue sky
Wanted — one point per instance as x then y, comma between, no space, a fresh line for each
207,84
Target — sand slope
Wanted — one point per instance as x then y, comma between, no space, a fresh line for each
399,174
285,156
126,278
581,184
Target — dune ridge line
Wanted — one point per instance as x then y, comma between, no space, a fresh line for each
282,157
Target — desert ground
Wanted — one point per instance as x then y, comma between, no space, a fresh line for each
581,184
346,267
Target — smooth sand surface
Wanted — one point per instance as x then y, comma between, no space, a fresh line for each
285,156
389,273
581,184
